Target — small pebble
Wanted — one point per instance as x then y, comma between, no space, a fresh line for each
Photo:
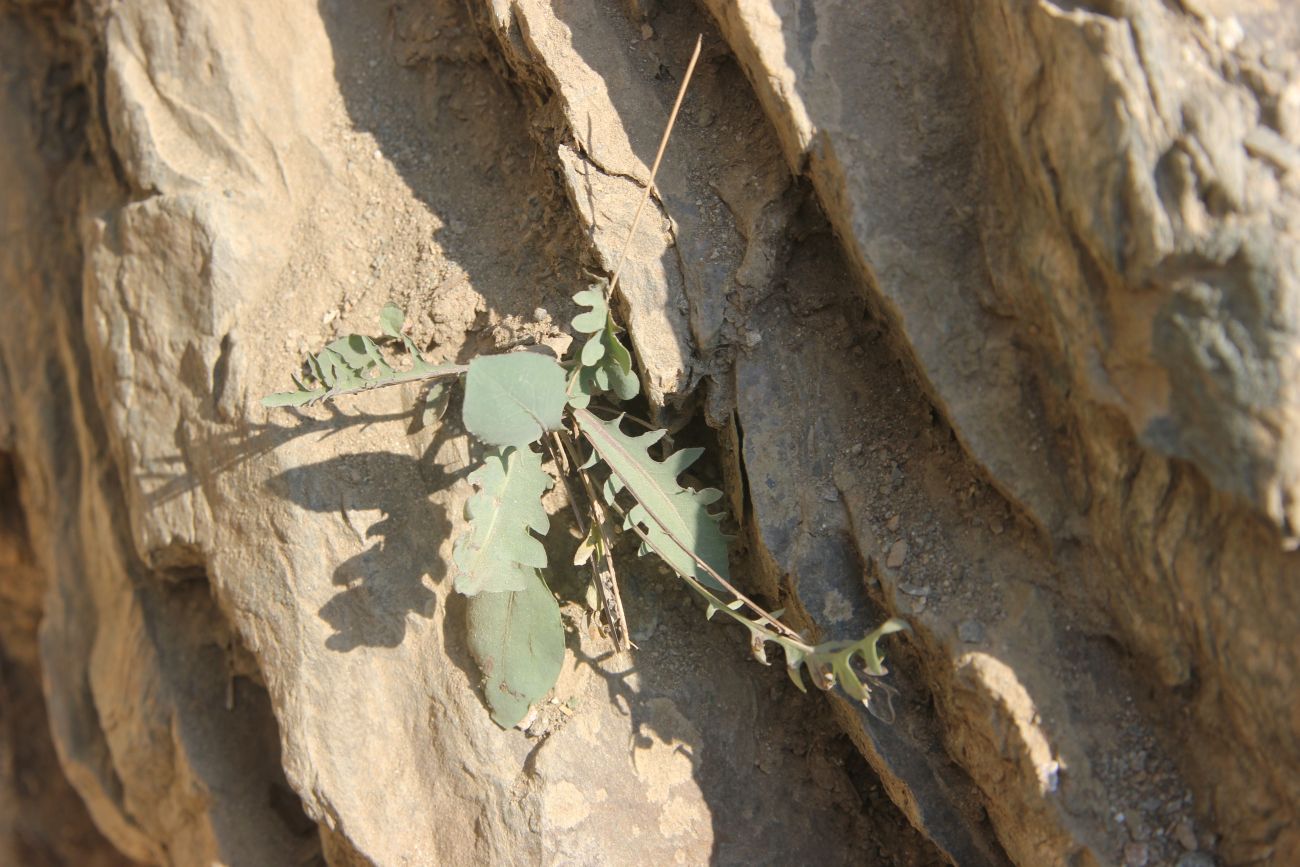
1194,859
996,527
972,632
914,589
897,555
893,523
1185,834
647,32
540,314
1136,855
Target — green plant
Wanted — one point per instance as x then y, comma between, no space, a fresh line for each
527,407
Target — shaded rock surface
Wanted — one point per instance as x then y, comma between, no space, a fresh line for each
249,651
990,312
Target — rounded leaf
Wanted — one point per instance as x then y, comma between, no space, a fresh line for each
511,400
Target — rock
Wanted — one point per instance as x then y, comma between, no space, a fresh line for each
1195,859
250,652
1146,328
1136,855
1023,263
40,812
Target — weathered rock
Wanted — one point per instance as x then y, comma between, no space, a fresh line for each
1081,225
249,650
994,310
42,819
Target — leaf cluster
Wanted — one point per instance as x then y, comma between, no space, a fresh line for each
354,363
523,407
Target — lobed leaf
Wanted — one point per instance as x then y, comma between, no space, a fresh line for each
512,400
354,363
391,319
517,640
675,519
497,553
829,663
604,362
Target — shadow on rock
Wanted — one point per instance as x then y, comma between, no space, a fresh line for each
385,583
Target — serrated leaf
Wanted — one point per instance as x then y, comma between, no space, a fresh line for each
511,400
391,320
354,363
675,519
828,663
517,640
497,553
836,659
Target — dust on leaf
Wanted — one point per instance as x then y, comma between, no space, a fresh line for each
517,640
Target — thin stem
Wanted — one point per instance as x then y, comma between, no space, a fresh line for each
442,371
654,169
786,632
713,573
568,492
614,604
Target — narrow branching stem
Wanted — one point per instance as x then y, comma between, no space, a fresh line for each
564,480
654,169
601,562
442,371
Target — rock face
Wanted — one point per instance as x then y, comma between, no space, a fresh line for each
990,311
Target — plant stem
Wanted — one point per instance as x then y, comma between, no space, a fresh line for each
602,565
784,630
654,169
442,371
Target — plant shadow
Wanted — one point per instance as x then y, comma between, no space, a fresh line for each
384,583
